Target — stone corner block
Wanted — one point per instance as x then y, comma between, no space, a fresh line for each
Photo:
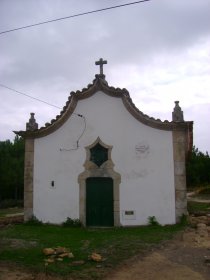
28,214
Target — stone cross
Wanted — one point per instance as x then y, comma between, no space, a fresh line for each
101,62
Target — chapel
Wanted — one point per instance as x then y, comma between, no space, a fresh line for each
104,162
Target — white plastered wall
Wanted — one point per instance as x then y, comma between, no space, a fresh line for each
142,155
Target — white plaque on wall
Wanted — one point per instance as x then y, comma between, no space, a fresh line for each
128,214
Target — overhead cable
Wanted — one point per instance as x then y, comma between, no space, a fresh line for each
73,16
29,96
37,99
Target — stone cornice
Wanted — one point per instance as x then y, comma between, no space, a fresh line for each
100,84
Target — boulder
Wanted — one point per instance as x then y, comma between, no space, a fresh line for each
61,250
48,251
96,257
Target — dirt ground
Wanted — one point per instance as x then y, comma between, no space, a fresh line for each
182,258
179,259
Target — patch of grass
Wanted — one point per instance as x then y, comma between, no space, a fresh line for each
114,244
33,221
194,207
6,211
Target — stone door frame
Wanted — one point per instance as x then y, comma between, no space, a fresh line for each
105,170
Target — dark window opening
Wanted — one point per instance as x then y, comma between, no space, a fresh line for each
98,154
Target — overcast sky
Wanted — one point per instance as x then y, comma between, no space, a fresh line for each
159,50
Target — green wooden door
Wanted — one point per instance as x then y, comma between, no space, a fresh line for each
99,201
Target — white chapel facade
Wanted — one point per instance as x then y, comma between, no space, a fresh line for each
105,162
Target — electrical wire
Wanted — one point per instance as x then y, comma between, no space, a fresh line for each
29,96
37,99
73,16
77,142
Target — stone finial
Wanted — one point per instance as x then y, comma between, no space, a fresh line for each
32,125
177,114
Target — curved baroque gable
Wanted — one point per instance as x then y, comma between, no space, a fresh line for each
99,83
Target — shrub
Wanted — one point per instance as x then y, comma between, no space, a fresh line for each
152,221
34,221
184,220
72,223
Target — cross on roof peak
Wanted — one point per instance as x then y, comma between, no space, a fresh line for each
101,62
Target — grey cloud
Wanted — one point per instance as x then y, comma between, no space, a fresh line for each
50,60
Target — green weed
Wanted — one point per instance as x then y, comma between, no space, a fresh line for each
152,221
